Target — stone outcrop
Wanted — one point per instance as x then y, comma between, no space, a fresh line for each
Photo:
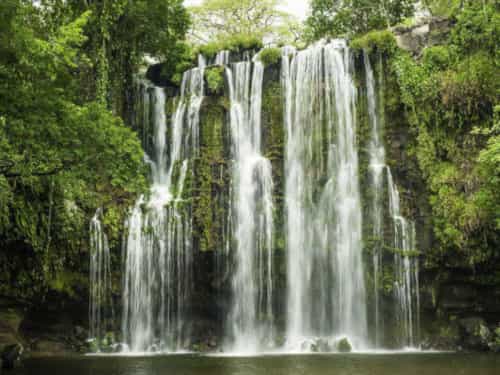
426,32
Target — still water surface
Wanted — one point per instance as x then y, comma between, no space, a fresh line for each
353,364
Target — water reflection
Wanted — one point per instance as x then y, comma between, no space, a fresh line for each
354,364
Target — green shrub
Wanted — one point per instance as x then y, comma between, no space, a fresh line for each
270,56
438,57
443,8
240,42
472,86
235,43
209,50
215,79
179,60
477,28
380,41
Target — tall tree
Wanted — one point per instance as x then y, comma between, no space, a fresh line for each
332,18
221,19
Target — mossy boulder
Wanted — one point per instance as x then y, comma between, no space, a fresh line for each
344,346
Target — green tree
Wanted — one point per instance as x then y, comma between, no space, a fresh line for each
61,156
334,18
216,20
120,33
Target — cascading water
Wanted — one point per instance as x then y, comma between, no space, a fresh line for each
376,170
326,296
326,288
222,58
101,302
406,285
158,251
251,317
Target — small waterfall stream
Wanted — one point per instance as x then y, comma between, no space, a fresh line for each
406,285
101,303
376,169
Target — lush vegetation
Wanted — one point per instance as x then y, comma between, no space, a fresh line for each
66,86
235,43
269,56
451,99
66,70
218,20
451,103
336,18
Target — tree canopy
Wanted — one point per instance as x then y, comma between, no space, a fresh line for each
223,19
66,71
334,18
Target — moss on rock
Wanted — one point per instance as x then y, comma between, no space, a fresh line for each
211,177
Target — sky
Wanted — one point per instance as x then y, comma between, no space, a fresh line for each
299,8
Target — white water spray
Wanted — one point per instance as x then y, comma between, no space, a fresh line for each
251,317
326,289
406,286
101,302
158,252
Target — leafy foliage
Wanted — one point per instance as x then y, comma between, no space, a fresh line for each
63,152
270,56
380,41
234,43
220,20
215,79
334,18
451,99
444,8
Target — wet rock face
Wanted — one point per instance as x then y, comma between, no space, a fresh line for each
475,333
344,346
458,297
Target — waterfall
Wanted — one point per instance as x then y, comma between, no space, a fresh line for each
326,296
406,284
326,288
251,316
222,58
406,268
101,303
158,245
376,170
